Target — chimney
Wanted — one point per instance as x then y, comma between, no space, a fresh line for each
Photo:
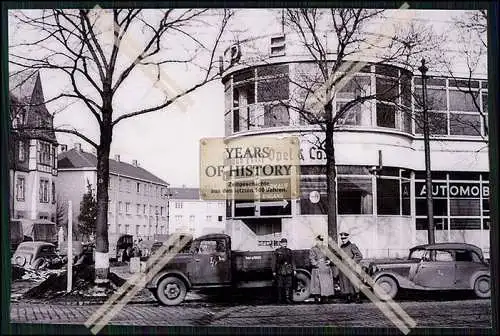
78,146
117,157
134,163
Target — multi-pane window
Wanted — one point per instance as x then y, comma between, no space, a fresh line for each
355,191
162,211
358,113
138,187
127,208
20,188
257,98
460,201
456,107
44,191
120,207
144,209
44,153
178,205
138,210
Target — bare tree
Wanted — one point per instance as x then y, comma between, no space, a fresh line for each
471,29
98,65
335,39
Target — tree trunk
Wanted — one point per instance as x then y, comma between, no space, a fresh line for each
331,185
101,239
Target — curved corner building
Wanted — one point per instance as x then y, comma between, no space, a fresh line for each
384,209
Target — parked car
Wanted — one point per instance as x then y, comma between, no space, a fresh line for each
440,266
36,255
24,229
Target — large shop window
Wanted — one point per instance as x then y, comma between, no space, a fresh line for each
457,199
388,196
355,196
309,184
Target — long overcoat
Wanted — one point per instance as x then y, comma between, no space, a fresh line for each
346,287
321,275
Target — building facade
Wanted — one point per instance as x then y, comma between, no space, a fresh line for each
379,151
32,150
190,214
137,199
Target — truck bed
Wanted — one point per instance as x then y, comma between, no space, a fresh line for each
257,266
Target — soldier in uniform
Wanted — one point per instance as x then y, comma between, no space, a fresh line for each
283,271
349,289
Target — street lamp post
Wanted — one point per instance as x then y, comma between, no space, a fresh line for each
428,177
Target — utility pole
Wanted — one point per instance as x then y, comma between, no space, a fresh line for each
428,177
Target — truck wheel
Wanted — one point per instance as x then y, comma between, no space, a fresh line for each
482,287
302,290
39,263
388,286
171,291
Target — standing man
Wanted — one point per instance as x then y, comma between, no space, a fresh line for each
321,275
349,289
283,270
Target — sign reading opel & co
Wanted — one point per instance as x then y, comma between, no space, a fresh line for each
251,168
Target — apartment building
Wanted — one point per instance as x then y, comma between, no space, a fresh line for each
138,201
191,214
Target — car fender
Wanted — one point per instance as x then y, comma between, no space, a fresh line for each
477,275
402,282
153,283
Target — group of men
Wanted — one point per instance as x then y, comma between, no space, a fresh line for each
323,272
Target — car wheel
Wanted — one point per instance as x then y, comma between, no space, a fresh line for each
388,288
171,291
482,287
301,290
20,261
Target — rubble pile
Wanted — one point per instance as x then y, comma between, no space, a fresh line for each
55,284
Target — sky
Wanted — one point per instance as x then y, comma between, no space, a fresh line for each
166,142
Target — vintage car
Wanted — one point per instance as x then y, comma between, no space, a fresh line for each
36,255
440,266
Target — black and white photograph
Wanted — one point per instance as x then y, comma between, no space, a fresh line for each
249,167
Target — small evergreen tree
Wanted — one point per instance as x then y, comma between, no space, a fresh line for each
88,213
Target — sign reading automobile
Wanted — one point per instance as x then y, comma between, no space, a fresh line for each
251,168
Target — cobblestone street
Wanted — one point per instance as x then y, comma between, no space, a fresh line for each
463,313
